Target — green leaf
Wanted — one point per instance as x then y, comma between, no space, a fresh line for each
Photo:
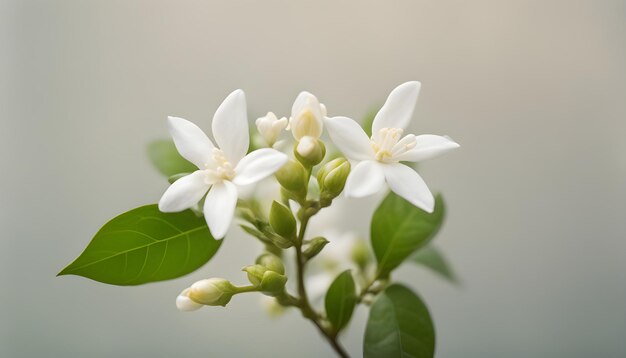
340,300
145,245
165,158
399,325
399,228
432,258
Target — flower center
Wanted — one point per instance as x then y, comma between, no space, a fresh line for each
389,144
220,169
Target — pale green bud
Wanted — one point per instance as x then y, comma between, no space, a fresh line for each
293,177
272,263
282,220
255,273
212,292
273,283
332,178
361,254
315,246
310,151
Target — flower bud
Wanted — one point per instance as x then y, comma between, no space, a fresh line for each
184,303
292,176
332,177
310,151
361,254
270,127
315,246
255,273
282,221
273,283
307,116
272,263
212,292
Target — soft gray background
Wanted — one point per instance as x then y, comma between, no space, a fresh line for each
535,91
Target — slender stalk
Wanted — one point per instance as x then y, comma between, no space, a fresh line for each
305,306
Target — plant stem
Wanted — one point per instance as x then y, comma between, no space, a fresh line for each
305,306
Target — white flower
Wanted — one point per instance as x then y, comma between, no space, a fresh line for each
184,303
307,122
376,160
270,127
220,169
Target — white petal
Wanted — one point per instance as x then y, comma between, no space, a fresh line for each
405,182
184,193
190,141
258,165
398,109
366,178
230,127
219,208
428,146
184,303
350,138
306,126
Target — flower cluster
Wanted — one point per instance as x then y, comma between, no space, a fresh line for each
224,169
215,179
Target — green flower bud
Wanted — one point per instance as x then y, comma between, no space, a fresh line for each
255,273
273,283
315,246
361,254
310,151
292,176
282,221
212,292
332,178
272,263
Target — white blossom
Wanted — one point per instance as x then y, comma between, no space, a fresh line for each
222,168
377,160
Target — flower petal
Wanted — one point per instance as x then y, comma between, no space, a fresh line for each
428,146
366,178
190,141
184,303
306,125
184,193
219,208
258,165
405,182
350,138
398,109
230,127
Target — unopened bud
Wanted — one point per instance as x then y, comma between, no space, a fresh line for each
360,254
212,292
272,263
293,177
184,303
332,178
255,273
282,220
307,116
315,246
273,283
270,127
310,151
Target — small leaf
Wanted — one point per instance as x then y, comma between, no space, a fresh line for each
432,258
165,158
340,300
145,245
399,325
399,228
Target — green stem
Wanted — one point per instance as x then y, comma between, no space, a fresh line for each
305,306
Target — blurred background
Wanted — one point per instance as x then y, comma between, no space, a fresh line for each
535,92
